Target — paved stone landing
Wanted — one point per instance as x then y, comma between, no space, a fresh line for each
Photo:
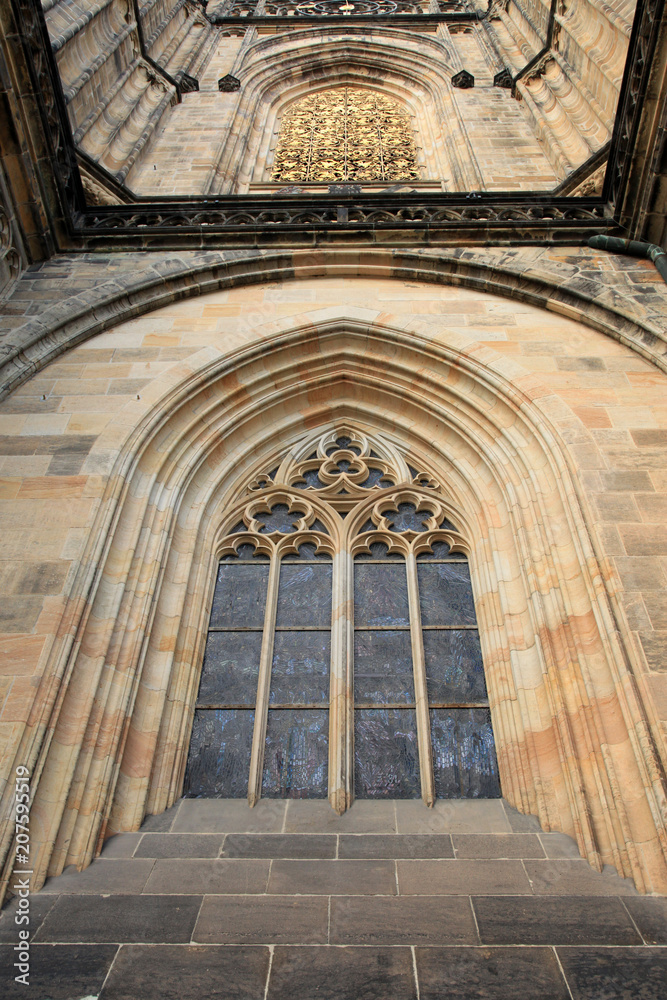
468,901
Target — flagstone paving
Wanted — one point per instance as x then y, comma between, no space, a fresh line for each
389,902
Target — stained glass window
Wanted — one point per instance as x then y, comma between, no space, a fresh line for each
343,655
386,733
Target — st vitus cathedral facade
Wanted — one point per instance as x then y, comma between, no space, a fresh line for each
333,497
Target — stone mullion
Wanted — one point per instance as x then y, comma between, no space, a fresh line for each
421,694
341,685
264,683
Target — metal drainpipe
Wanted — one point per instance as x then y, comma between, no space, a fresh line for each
634,247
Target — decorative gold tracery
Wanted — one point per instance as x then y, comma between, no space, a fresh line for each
345,135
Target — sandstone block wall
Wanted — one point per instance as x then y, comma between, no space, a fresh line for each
119,457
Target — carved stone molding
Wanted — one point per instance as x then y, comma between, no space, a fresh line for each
11,258
499,472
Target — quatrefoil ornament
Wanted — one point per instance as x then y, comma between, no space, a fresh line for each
408,514
279,513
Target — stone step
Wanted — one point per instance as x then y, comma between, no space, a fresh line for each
389,901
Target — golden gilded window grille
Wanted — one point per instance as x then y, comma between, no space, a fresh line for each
345,135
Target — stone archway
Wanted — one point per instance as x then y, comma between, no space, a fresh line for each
110,727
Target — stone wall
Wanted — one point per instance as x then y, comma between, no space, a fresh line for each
122,67
568,67
121,453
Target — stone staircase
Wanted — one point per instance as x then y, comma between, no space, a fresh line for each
390,901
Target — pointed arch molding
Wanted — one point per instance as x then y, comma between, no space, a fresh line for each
109,732
154,281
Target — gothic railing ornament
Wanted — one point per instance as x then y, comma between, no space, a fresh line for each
229,83
463,80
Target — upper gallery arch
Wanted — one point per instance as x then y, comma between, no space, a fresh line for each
414,71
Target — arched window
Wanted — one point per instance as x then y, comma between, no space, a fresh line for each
343,656
345,135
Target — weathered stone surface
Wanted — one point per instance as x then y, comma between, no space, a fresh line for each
466,340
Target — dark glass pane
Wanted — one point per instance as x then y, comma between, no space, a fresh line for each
304,594
219,757
406,517
280,519
343,443
374,477
464,754
231,665
240,595
378,549
386,757
343,465
296,756
454,668
445,594
312,481
380,594
383,667
318,526
245,551
441,551
300,671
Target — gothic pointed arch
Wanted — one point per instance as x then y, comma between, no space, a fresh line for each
108,734
343,608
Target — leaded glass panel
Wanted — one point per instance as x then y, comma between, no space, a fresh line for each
300,669
296,755
381,595
383,667
231,666
240,595
386,755
445,594
454,668
304,595
464,755
219,757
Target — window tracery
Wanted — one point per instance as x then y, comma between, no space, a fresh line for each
343,656
345,134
